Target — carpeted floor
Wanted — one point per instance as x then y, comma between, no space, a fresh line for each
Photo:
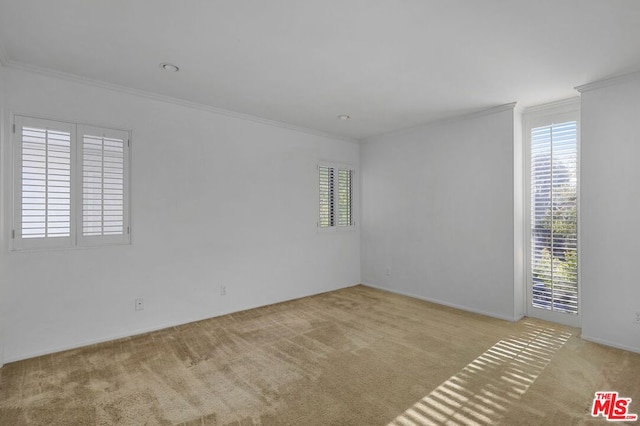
356,356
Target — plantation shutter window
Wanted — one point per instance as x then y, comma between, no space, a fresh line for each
103,193
335,197
327,197
43,183
345,191
70,184
554,219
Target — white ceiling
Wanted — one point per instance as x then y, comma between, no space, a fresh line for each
388,64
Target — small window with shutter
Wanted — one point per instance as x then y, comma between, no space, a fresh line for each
71,184
335,185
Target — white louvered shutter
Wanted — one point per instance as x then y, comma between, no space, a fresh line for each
104,156
71,184
327,197
345,195
335,187
44,160
554,236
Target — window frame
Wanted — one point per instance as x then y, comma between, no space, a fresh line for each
75,238
337,167
534,117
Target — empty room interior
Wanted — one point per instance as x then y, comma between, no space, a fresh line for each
319,213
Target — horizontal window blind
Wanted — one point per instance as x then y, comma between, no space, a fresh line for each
554,231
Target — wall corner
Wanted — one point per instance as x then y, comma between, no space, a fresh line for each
518,216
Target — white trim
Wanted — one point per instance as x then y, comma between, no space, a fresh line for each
610,343
169,99
464,116
167,325
519,206
553,108
335,164
16,113
598,84
518,108
450,305
489,111
478,113
111,338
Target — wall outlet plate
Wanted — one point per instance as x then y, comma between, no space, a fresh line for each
139,304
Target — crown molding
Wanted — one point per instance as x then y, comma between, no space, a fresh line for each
518,108
512,106
169,99
610,81
570,104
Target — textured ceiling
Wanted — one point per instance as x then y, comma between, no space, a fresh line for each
388,64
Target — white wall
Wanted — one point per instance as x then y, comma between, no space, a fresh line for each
438,213
610,206
217,200
2,216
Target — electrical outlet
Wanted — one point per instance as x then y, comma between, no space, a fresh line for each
637,318
223,290
139,304
387,272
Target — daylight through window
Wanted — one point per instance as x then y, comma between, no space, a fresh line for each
71,184
336,197
554,217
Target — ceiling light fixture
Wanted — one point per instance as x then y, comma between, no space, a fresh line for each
344,117
169,67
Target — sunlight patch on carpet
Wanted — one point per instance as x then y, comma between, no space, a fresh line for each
484,390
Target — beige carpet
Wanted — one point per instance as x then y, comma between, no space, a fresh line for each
357,356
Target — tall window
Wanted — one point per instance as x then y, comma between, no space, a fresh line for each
71,184
554,217
336,197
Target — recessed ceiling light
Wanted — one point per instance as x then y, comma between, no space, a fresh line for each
344,117
169,67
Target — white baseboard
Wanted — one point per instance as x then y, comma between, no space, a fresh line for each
137,332
608,343
90,342
450,305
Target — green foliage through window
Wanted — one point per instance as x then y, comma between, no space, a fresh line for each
554,217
